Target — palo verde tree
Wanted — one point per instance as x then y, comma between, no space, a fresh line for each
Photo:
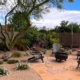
30,9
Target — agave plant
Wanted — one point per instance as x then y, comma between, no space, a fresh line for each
21,66
3,71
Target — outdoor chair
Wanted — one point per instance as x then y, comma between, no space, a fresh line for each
78,54
55,48
35,57
58,53
78,63
33,52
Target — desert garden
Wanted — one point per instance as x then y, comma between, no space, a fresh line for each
49,69
27,52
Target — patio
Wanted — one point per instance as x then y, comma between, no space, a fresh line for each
49,70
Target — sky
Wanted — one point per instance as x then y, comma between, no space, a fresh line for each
71,13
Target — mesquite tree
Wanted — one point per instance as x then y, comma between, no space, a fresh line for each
31,9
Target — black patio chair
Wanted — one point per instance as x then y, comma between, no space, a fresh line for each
78,54
78,63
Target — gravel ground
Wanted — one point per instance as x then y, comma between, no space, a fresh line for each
28,74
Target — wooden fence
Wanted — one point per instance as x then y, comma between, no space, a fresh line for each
67,39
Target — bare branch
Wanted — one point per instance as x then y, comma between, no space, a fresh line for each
2,2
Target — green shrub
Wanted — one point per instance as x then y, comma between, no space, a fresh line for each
1,62
26,42
21,66
12,61
3,71
53,37
16,54
68,51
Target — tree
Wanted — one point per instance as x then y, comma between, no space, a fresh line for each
30,8
43,30
29,36
75,26
53,38
65,26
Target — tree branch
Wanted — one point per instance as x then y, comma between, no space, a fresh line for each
37,6
2,32
20,33
6,21
3,2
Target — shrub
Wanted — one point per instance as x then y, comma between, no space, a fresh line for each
20,45
68,51
16,54
26,42
53,37
6,56
12,61
21,66
3,71
1,62
26,54
2,47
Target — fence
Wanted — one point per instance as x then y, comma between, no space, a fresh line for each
67,39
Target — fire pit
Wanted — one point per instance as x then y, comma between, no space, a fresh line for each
61,56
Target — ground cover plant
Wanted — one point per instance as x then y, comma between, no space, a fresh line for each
12,61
